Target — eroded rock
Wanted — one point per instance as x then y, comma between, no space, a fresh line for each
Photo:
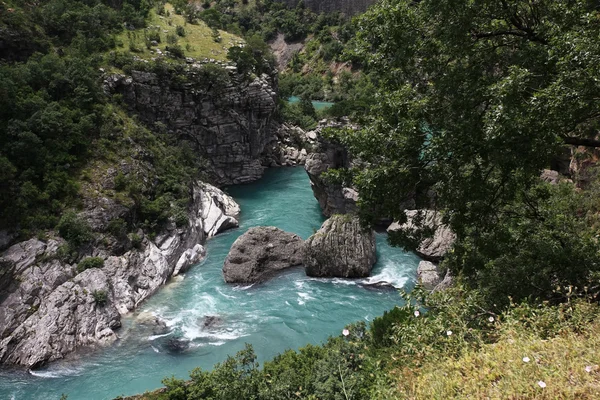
434,248
340,248
260,253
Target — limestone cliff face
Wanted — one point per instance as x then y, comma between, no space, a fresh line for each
229,127
348,7
48,309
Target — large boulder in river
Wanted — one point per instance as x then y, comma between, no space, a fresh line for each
432,248
341,248
260,253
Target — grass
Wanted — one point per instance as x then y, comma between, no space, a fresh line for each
197,43
498,371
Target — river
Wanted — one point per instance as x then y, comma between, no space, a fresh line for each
288,311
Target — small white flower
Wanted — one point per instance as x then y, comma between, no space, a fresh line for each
417,313
542,384
491,319
526,359
345,332
449,333
589,368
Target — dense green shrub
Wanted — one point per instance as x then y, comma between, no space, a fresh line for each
90,262
100,297
74,230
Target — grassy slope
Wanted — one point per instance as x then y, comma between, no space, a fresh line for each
497,371
197,36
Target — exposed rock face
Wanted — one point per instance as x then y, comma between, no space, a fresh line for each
333,198
228,126
428,275
432,249
348,7
341,248
261,253
47,310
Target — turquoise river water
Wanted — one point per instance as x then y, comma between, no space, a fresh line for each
288,311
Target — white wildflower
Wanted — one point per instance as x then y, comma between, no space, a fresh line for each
345,332
491,319
542,384
449,333
417,313
526,359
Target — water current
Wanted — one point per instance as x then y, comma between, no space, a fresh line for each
286,312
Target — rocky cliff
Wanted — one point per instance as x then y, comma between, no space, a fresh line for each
49,307
229,126
333,197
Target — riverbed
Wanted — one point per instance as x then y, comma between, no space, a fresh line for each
286,312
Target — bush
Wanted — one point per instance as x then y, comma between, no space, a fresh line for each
381,327
180,30
172,39
175,51
100,297
90,262
74,230
136,240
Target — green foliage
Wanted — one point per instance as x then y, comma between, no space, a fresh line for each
474,100
90,262
381,327
100,297
175,51
136,240
117,227
180,30
74,230
254,57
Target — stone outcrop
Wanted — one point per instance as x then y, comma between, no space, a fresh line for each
428,275
340,248
333,197
260,253
434,248
229,126
48,310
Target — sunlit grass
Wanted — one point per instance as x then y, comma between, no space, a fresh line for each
197,43
518,366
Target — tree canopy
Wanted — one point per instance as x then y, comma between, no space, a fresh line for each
476,98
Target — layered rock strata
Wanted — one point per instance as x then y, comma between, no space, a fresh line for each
333,198
229,126
48,309
340,248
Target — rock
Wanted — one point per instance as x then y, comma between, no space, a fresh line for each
47,310
210,321
333,198
229,126
177,345
70,317
432,249
260,253
218,210
428,275
341,248
189,257
550,176
446,283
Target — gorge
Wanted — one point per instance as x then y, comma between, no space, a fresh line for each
289,311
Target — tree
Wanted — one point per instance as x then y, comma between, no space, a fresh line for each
475,99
